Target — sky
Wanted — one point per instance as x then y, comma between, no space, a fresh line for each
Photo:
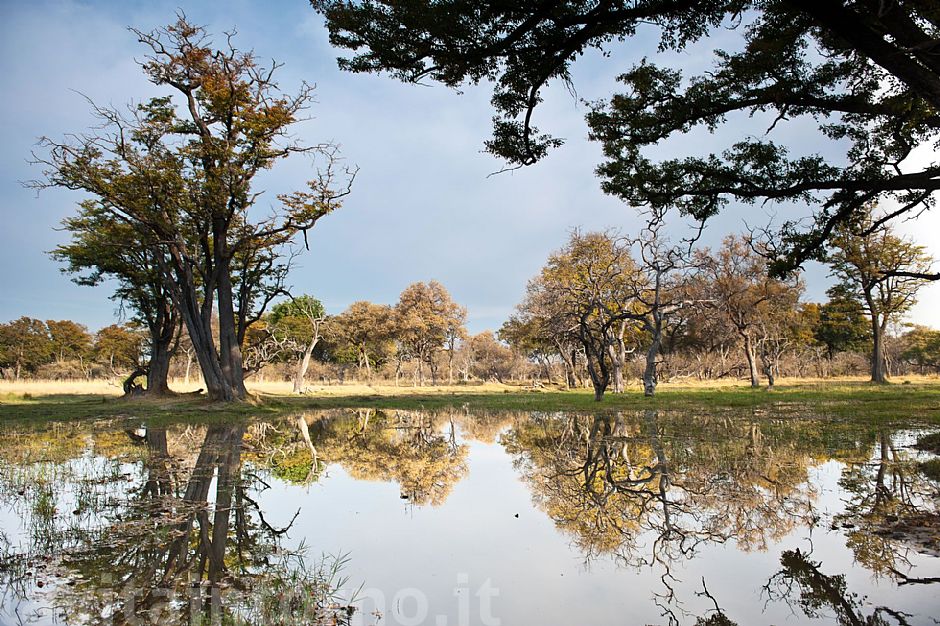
424,205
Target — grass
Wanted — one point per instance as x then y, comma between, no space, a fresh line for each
915,399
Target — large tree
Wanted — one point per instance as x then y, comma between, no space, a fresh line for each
425,319
842,325
750,301
365,329
658,289
866,72
180,170
884,271
69,340
588,285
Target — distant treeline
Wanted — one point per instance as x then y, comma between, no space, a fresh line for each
594,307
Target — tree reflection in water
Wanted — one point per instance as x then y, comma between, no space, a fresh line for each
417,450
891,511
183,550
167,523
820,595
651,491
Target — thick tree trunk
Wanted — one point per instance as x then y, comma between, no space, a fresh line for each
197,316
159,370
878,371
200,335
230,354
600,377
164,330
750,353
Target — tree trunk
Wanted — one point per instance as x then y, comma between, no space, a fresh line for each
616,372
164,330
649,373
878,371
197,316
575,381
302,365
130,387
600,376
547,366
230,354
749,352
769,373
616,366
189,365
159,370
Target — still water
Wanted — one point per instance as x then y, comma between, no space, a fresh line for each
457,518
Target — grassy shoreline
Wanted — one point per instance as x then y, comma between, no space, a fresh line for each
917,400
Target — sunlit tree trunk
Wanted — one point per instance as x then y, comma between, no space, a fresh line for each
650,378
189,366
750,354
303,364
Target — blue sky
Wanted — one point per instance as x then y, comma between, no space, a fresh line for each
423,206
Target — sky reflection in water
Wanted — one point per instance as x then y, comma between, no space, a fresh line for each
457,518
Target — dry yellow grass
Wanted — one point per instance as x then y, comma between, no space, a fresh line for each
39,388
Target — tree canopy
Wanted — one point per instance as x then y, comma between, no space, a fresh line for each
865,72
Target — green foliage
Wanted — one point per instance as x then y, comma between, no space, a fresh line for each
68,339
297,467
922,347
297,319
871,263
119,346
24,344
842,325
363,334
